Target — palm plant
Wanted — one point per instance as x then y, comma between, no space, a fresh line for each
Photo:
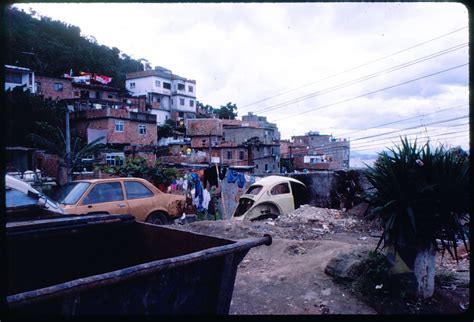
421,196
53,140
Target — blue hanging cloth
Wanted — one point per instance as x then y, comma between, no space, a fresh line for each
241,180
198,193
232,176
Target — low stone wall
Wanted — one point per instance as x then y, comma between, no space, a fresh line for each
334,189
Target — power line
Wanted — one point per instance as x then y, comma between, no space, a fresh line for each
371,145
356,67
361,79
406,119
373,92
410,128
382,140
397,136
426,137
388,140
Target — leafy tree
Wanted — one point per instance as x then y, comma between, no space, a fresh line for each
421,196
228,111
52,48
167,129
138,167
22,107
207,108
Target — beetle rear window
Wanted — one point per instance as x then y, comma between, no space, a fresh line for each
254,190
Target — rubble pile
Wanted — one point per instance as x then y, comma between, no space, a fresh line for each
304,223
308,222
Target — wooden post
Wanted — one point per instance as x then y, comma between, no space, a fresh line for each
222,195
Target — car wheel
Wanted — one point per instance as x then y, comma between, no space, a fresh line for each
157,219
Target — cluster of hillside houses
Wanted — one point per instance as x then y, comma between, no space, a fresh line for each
128,121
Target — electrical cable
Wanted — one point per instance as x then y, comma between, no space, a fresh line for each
373,92
359,80
356,67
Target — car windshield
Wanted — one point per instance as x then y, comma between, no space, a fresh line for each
70,193
254,190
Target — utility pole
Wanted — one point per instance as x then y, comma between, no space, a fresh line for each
68,145
210,148
291,160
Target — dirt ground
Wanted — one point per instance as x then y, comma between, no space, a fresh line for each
288,276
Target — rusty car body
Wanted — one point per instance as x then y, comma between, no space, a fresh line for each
128,195
270,197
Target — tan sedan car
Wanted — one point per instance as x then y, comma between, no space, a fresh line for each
270,197
134,196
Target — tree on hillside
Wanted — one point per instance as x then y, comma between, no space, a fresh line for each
228,111
207,108
23,109
53,48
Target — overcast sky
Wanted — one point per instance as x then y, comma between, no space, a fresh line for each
362,64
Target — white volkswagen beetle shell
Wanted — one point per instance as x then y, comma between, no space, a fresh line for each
270,197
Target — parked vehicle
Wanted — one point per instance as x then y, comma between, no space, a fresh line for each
22,200
270,197
134,196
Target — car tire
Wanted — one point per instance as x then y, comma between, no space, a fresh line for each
158,218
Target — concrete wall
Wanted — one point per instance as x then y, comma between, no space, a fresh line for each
334,189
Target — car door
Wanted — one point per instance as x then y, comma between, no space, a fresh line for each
140,199
281,195
105,197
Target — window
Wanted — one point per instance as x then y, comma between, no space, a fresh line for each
180,87
157,83
98,95
241,155
254,190
76,93
114,159
58,87
266,167
190,89
13,78
132,85
136,190
166,85
229,154
280,189
191,103
104,192
110,96
142,129
181,101
70,193
38,86
118,126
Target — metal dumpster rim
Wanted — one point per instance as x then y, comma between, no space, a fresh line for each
134,271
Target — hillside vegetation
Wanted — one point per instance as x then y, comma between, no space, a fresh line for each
53,48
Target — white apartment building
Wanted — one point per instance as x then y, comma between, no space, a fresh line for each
168,95
19,76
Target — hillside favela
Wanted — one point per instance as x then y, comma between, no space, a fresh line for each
236,159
